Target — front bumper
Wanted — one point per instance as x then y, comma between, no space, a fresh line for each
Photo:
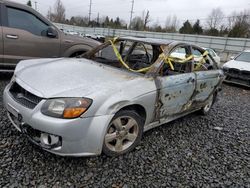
70,137
236,76
235,79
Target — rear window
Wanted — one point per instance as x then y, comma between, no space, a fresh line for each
245,56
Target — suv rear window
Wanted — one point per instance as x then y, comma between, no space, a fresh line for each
20,19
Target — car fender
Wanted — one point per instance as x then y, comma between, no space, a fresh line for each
121,99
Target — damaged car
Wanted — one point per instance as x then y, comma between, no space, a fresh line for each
105,100
237,70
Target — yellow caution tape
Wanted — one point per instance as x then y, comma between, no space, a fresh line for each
202,61
166,59
119,57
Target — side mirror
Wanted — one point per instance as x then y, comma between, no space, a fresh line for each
51,32
232,57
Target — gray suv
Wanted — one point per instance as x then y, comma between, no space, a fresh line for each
26,34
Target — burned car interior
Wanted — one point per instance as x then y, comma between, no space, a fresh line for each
140,55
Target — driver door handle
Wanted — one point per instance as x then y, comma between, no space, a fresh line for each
9,36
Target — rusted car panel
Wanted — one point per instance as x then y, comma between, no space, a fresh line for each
129,88
175,92
206,83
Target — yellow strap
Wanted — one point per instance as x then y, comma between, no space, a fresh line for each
119,57
202,61
178,60
167,60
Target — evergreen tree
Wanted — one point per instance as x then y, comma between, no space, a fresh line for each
197,29
29,3
186,28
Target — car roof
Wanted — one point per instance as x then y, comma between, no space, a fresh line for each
149,40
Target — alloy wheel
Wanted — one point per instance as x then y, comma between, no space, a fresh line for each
121,134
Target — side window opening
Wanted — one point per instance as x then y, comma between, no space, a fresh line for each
180,62
202,62
24,20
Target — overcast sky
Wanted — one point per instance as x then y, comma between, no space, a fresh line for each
159,9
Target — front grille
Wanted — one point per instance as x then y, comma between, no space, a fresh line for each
24,97
234,71
246,74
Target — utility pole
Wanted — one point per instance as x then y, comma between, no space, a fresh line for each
98,20
35,5
90,6
131,13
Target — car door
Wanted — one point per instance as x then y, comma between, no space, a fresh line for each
25,37
175,93
207,77
176,87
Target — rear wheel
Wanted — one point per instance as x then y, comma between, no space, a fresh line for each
123,133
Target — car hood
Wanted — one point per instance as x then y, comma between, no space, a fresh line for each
67,77
241,65
79,40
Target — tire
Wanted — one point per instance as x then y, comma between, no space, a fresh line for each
123,134
77,54
205,110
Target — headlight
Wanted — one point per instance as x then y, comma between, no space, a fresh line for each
67,108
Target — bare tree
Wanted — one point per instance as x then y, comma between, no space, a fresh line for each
146,20
50,14
215,18
137,23
59,13
231,20
171,23
240,24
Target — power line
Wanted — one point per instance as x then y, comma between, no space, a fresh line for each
98,18
131,12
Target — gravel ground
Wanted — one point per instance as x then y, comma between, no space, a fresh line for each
194,151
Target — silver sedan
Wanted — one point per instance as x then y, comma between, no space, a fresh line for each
105,100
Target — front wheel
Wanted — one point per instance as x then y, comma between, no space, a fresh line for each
123,133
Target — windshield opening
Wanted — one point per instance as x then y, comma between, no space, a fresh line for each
125,54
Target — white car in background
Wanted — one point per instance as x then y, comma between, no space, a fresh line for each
237,70
197,55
